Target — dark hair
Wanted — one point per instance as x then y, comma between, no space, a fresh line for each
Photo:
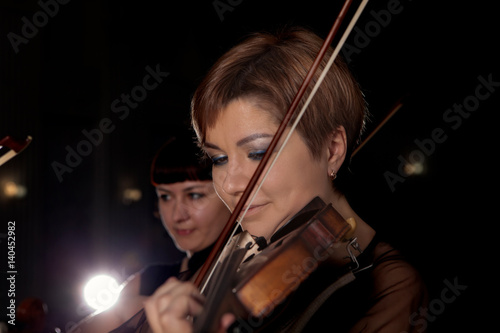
268,69
178,160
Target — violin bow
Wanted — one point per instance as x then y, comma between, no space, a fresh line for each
391,113
204,274
14,147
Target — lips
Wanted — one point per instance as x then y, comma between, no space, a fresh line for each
253,209
184,232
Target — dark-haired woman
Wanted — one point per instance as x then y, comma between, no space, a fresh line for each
193,216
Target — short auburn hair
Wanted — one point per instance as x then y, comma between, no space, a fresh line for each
269,68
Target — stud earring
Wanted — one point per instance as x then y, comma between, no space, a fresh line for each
333,175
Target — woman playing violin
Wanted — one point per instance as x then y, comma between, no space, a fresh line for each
193,216
235,111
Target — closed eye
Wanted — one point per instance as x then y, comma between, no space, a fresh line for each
219,160
257,155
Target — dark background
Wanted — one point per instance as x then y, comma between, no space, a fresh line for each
64,78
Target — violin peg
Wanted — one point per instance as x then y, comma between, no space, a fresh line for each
352,222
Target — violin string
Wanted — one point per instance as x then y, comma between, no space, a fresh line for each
308,101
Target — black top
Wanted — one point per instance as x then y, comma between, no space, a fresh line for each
155,275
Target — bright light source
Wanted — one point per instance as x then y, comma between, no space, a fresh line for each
413,169
101,292
131,195
13,190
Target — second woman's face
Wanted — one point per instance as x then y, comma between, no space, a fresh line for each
192,213
237,143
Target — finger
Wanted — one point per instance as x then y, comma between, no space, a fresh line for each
174,286
226,321
173,316
171,289
154,304
170,305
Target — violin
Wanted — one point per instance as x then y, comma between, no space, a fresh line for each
14,147
264,281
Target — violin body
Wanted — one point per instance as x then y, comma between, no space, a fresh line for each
256,290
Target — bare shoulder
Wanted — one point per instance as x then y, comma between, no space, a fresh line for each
131,286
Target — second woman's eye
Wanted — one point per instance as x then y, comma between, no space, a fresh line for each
164,197
196,195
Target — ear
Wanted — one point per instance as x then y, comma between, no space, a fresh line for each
337,148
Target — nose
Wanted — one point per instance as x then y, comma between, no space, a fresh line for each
180,212
234,180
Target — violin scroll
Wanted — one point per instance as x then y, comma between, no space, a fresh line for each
14,146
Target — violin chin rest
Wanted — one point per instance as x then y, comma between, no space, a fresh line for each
352,223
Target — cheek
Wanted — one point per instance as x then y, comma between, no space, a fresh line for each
212,216
296,177
164,214
201,217
218,175
213,220
287,172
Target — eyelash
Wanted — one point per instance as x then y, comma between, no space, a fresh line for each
222,159
257,155
219,160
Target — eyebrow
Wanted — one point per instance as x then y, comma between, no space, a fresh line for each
194,187
187,189
243,141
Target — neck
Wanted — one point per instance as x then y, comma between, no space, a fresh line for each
184,264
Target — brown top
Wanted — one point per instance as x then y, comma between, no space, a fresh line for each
396,295
388,297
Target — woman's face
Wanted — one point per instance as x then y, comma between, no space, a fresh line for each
237,143
192,213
